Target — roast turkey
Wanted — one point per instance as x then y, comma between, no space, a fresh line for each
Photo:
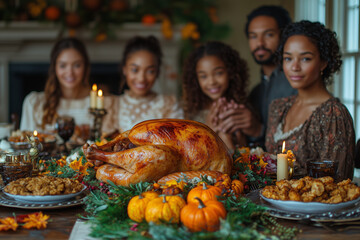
155,148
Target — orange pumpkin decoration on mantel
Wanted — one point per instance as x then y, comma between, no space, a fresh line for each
52,13
137,205
166,208
204,192
203,216
73,20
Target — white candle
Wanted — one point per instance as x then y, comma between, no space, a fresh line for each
282,165
93,96
100,100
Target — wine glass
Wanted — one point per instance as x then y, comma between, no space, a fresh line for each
65,126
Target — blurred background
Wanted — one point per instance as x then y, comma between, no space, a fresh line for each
29,28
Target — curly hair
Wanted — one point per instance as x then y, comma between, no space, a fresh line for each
324,39
138,43
280,14
194,99
52,87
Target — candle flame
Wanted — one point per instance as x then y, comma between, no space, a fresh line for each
283,147
100,93
35,133
94,87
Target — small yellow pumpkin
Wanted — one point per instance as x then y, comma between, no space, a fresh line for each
237,186
205,193
203,216
137,205
166,208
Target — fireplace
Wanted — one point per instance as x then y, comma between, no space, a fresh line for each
25,51
27,77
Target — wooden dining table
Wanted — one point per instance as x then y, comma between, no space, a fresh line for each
62,221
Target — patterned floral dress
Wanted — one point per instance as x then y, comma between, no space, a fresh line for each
327,134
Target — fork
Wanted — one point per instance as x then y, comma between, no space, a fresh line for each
254,186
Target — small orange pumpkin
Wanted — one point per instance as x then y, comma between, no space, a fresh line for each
205,193
148,19
165,208
203,216
52,13
223,182
237,186
137,205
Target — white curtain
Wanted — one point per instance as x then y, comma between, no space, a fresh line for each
312,10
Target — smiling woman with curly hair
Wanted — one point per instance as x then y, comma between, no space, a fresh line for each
215,79
314,124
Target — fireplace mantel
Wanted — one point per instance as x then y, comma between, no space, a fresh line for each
32,42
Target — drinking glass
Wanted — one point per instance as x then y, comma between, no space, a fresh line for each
65,126
322,168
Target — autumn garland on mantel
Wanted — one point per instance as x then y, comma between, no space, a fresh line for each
198,17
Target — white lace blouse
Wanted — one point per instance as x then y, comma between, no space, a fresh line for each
133,110
32,111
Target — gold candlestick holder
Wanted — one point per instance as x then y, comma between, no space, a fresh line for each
98,119
34,151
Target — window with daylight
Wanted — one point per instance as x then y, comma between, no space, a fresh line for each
342,16
347,84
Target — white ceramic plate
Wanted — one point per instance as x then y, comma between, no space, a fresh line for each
308,207
44,199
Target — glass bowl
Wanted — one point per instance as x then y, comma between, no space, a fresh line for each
321,168
13,171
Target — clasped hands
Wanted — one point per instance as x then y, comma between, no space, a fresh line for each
230,118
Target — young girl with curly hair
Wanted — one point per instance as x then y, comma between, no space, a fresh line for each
313,123
215,80
66,91
140,67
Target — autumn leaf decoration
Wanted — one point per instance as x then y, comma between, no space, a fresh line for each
8,223
34,220
78,166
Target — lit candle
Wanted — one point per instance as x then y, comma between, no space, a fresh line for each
35,133
100,100
93,96
282,164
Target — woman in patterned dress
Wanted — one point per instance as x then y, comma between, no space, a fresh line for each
140,67
314,124
215,80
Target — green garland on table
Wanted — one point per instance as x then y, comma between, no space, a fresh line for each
109,220
106,208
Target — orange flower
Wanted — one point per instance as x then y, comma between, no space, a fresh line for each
190,31
36,220
102,142
61,162
262,164
77,165
8,223
44,173
101,37
174,183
